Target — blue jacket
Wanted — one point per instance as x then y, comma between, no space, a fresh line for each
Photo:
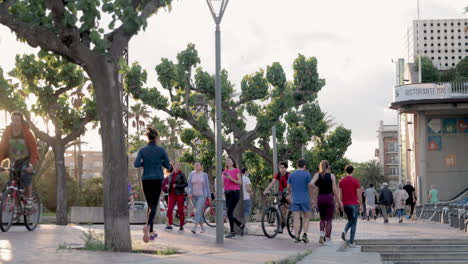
206,185
152,157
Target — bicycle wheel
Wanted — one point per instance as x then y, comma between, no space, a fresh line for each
271,222
32,216
7,212
290,225
209,216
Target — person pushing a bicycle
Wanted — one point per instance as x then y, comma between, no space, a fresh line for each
19,144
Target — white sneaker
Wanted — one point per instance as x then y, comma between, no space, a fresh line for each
353,245
327,242
28,203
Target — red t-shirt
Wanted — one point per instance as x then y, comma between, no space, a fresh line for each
348,186
283,180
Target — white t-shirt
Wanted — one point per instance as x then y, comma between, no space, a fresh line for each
245,181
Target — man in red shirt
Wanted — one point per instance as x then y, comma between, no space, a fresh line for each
282,178
352,202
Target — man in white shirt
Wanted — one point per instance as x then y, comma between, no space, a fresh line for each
247,192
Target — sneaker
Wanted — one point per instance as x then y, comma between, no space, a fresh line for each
400,221
153,236
181,229
230,235
327,242
368,218
168,228
297,240
304,238
385,222
375,217
202,230
352,245
28,204
322,239
146,236
343,236
194,231
242,228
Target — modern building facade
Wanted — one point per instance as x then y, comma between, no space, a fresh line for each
387,153
444,41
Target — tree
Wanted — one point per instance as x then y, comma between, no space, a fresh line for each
369,172
77,31
185,83
175,127
429,72
462,69
140,113
51,80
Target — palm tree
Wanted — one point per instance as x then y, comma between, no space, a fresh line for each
140,113
371,172
175,127
160,126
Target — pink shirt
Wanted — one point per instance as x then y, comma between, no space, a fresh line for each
228,184
197,183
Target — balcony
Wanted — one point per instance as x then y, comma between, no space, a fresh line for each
421,93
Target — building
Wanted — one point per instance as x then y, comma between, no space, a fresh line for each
90,164
444,41
387,153
434,136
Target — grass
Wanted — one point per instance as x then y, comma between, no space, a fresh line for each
64,246
49,214
161,252
93,241
293,259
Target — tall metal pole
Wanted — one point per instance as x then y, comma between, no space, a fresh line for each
418,47
275,151
219,143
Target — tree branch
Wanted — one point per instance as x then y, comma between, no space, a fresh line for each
39,134
77,132
262,154
38,36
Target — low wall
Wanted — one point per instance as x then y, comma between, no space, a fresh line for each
95,215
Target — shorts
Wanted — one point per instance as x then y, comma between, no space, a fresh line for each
300,207
25,177
370,206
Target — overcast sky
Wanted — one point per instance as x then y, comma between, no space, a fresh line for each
354,42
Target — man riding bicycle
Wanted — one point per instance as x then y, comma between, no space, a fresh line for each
281,177
19,143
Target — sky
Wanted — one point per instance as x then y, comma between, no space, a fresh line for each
354,42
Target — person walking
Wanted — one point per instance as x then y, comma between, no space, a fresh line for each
325,182
351,197
247,189
298,183
198,192
399,198
385,201
232,181
152,158
370,195
175,185
433,195
411,201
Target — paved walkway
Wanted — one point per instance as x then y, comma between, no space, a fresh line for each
41,246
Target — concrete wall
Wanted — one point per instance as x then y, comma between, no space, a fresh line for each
447,168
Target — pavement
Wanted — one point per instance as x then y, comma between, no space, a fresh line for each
42,246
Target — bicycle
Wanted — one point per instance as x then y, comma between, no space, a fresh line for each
13,203
272,219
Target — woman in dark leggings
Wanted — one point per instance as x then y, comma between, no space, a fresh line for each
152,158
325,181
232,182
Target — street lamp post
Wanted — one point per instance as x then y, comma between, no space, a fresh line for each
217,8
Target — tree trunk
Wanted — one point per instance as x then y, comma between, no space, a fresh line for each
61,180
104,75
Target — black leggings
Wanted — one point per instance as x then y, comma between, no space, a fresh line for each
152,190
232,197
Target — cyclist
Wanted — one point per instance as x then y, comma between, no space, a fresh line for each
281,177
19,145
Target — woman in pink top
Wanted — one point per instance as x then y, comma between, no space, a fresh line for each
232,182
198,191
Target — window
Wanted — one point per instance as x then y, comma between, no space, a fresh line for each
451,24
453,44
466,37
432,44
458,23
425,45
438,24
432,51
466,50
446,51
438,44
459,37
459,30
445,24
446,64
438,51
432,24
439,58
459,50
394,171
394,159
446,58
451,30
438,37
445,44
453,57
445,31
432,37
425,38
425,51
438,31
432,58
392,147
459,44
451,37
453,64
425,31
453,51
460,57
445,37
432,31
424,24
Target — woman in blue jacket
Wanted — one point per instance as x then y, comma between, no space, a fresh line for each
152,158
198,191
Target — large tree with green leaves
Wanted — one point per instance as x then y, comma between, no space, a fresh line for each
54,86
93,34
265,97
369,172
429,72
